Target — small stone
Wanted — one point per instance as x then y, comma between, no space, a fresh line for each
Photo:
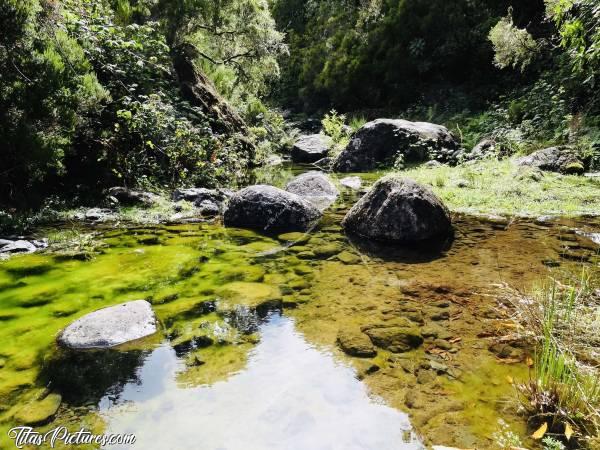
443,315
442,344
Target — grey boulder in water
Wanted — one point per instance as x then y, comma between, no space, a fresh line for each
109,327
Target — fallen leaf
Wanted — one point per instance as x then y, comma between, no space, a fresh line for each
509,379
568,431
540,432
455,340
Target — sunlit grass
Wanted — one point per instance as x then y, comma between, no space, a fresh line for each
563,322
500,187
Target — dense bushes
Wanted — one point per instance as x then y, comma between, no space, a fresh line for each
89,96
382,53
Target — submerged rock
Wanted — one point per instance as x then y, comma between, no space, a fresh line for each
315,187
269,209
109,327
39,412
356,344
382,141
130,197
399,210
311,148
398,336
554,159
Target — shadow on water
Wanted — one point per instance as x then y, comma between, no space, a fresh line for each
290,395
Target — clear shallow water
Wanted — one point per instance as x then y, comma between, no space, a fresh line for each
280,383
290,395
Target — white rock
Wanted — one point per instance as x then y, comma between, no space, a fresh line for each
110,326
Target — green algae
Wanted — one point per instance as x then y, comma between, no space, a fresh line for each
211,286
39,412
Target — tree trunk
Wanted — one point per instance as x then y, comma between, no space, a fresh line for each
197,89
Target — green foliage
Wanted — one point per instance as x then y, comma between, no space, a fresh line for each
89,96
578,22
561,319
334,126
513,47
552,444
381,53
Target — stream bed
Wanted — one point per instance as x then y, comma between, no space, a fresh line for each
247,355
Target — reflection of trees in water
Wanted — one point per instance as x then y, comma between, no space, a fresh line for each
85,377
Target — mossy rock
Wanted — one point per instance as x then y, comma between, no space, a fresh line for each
249,294
397,336
574,168
300,249
348,258
243,273
356,344
39,412
306,255
303,270
299,284
327,250
295,237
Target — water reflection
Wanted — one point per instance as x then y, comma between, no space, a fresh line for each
289,396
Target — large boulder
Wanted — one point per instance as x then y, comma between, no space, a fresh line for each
382,141
19,246
311,148
315,187
269,209
131,197
399,210
553,159
109,327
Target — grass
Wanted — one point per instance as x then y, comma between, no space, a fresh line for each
563,322
499,187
